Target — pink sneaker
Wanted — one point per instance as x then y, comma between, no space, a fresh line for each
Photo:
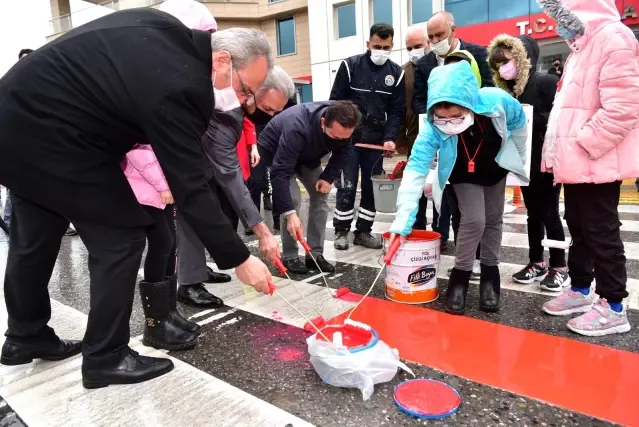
600,320
569,302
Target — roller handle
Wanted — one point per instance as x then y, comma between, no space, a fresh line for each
280,266
304,243
271,287
392,250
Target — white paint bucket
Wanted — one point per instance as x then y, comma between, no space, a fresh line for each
411,277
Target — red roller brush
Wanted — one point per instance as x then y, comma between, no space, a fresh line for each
310,325
335,293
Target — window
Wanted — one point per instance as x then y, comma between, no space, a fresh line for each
469,12
346,26
534,7
504,9
422,10
306,92
285,29
382,11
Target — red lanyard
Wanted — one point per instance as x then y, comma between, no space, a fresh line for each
471,161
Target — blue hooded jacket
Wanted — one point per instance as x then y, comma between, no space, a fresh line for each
456,83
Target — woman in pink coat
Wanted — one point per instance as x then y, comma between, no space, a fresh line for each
592,144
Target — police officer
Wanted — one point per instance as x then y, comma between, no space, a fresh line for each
376,86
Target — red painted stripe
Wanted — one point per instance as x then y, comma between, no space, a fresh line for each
581,377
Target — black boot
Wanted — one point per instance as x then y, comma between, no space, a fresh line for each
174,315
132,369
489,288
457,291
159,332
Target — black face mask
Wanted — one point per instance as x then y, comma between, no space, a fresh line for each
259,117
333,144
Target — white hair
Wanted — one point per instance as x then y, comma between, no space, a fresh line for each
278,80
449,17
417,28
244,44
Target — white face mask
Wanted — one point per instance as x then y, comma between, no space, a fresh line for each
226,99
455,128
441,48
379,57
415,54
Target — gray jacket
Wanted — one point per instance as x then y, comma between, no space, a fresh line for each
220,142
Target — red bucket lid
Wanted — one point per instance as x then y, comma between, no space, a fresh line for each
353,338
428,399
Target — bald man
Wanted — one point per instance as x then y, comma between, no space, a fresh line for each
441,35
416,46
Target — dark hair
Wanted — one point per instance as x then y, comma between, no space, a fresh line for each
443,104
24,52
497,56
345,113
382,30
453,59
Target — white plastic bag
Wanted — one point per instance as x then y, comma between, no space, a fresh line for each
362,370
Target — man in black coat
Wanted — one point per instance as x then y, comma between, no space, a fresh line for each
69,112
293,145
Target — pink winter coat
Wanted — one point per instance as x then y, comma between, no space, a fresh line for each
145,176
593,130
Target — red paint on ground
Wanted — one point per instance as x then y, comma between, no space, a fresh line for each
581,377
289,354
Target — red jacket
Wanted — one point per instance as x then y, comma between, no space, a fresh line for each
247,139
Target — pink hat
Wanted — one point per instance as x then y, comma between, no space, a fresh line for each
193,14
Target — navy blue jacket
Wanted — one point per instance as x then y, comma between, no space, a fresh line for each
379,93
294,138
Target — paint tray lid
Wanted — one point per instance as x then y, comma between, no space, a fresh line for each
429,399
353,338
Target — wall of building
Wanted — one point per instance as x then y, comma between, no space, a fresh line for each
328,48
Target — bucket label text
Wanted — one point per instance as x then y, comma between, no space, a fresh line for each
422,275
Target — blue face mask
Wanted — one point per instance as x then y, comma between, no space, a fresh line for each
566,33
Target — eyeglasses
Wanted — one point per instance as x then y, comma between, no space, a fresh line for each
454,121
245,89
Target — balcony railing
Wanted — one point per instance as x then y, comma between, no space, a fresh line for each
64,23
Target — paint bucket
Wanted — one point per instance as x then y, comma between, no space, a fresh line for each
385,192
411,277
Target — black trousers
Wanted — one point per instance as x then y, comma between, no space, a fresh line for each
597,250
114,259
541,198
259,185
161,242
455,214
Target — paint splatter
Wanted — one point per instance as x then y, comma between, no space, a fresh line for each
288,354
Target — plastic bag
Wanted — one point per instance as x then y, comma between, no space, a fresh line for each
362,370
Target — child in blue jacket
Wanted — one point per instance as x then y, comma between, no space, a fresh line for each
479,135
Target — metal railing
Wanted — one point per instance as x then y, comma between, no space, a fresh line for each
67,22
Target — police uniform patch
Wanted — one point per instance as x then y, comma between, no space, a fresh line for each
389,80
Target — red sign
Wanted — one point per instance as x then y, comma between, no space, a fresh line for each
539,26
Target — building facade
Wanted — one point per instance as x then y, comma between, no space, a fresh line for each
340,28
285,22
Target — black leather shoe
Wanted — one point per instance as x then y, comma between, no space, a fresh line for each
324,265
131,370
457,291
174,315
215,277
489,288
19,353
197,296
296,266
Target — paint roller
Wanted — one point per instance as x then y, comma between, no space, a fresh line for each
335,293
314,323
